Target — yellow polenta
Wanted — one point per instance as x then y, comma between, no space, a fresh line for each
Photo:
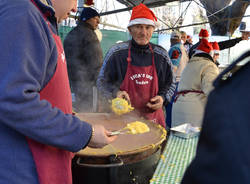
120,106
137,127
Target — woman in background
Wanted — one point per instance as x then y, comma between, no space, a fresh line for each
194,86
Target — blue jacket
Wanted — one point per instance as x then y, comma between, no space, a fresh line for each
28,61
223,154
175,54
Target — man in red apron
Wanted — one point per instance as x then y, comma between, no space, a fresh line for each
138,70
38,132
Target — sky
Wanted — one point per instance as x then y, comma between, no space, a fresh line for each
122,19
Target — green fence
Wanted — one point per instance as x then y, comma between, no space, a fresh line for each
109,37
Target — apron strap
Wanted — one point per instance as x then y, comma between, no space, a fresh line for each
185,92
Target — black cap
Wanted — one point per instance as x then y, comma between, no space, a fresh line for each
88,13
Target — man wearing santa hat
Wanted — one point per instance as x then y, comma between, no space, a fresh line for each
138,70
194,86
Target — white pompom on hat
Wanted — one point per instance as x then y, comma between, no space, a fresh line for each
141,14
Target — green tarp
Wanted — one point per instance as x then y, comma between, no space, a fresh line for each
109,37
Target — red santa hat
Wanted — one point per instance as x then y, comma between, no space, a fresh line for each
88,2
216,47
205,46
141,14
203,34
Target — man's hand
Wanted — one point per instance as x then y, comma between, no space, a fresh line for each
124,95
155,103
245,35
100,137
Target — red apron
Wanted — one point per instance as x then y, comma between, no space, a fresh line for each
53,164
141,83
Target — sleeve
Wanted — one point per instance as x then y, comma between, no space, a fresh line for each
209,74
229,43
25,54
165,77
107,81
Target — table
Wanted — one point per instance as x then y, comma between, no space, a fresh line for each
176,156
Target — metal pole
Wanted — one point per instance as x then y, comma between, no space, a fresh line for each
95,99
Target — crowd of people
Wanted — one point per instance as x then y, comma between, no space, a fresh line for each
38,131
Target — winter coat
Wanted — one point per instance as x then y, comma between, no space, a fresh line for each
198,75
84,60
223,153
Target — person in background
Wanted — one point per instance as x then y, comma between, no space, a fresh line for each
177,54
183,36
244,28
223,149
179,59
138,70
189,43
216,49
194,86
84,59
38,133
223,44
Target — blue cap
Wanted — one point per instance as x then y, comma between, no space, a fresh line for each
88,13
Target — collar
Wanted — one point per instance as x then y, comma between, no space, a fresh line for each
140,48
46,7
205,55
85,24
231,70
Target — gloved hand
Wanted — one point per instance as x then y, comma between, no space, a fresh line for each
100,137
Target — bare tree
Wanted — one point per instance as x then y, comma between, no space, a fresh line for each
223,17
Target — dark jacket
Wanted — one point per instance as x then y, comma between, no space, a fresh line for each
223,154
223,45
84,60
115,66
